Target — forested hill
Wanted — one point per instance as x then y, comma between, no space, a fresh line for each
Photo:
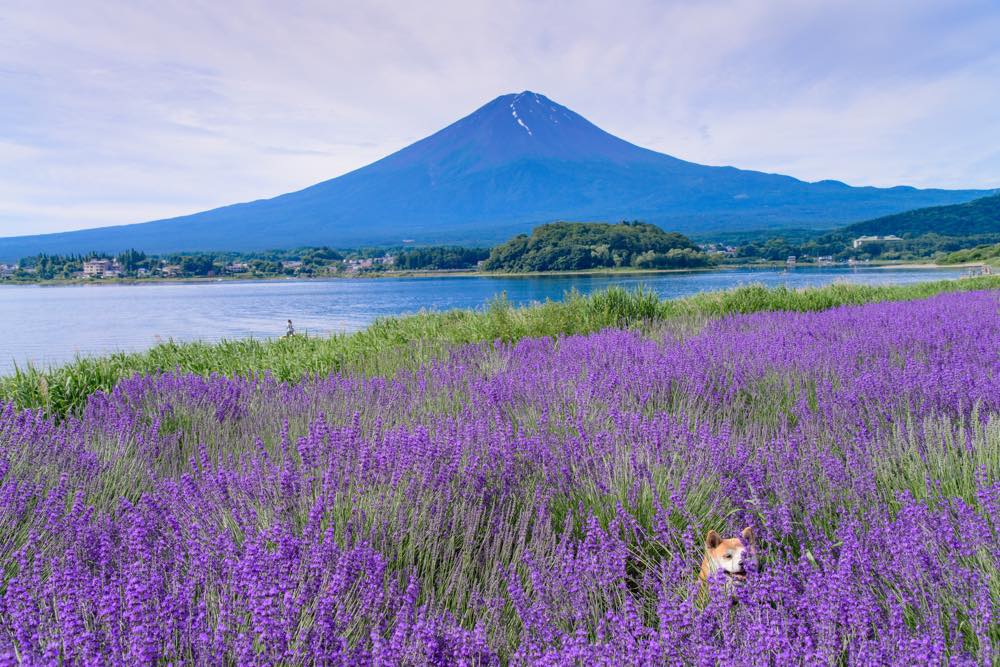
977,217
572,246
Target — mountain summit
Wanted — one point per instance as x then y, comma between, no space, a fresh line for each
517,161
516,127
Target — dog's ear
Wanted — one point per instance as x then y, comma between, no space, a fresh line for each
748,535
712,540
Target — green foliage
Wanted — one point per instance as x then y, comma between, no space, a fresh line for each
137,264
675,258
197,265
132,260
441,257
396,343
925,233
574,246
980,216
838,245
981,253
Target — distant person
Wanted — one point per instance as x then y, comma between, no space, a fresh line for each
290,331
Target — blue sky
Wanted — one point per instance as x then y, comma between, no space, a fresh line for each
119,112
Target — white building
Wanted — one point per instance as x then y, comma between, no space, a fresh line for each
354,265
101,268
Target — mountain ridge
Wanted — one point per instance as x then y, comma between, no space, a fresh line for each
979,216
517,161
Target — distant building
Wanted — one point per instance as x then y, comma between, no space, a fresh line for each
237,267
718,249
354,265
6,270
94,268
291,264
101,268
170,270
861,240
825,260
790,261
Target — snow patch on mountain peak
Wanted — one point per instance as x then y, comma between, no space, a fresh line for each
513,112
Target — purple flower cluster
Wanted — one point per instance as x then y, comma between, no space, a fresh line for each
543,502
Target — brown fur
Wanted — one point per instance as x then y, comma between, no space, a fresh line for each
726,554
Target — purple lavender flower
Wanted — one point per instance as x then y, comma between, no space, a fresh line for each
541,502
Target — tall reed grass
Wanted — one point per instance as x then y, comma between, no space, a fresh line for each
392,344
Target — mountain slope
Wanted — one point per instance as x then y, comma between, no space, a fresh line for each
977,217
515,162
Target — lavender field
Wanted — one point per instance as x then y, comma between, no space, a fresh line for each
541,502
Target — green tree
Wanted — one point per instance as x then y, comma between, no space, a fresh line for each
568,246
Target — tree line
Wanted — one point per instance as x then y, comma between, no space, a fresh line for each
575,246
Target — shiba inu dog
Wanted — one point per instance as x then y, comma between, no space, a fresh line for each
728,555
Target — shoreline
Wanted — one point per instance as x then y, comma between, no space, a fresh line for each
445,273
82,373
461,273
928,265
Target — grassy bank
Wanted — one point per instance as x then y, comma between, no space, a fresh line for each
405,342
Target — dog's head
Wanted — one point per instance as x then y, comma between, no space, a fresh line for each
729,555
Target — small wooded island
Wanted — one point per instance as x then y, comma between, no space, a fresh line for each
573,246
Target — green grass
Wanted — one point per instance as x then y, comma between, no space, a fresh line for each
395,343
989,254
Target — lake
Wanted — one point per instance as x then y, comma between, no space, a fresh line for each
50,325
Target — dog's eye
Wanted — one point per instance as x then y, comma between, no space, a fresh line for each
728,556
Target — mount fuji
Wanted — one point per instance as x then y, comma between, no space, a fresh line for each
517,161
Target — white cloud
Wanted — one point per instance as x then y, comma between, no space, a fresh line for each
117,112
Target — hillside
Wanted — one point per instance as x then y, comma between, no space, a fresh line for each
518,161
932,232
987,254
575,246
974,218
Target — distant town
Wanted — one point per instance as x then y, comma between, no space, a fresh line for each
559,246
137,265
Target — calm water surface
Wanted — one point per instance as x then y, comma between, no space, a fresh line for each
50,325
